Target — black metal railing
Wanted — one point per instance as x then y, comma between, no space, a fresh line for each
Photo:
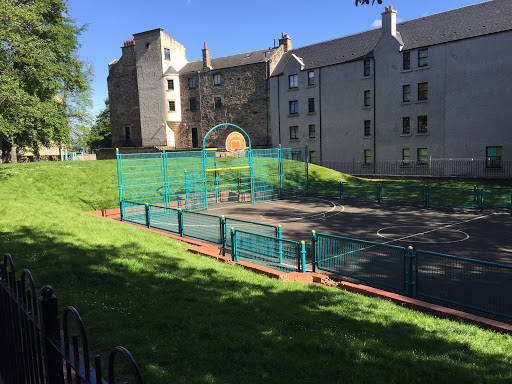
491,167
32,348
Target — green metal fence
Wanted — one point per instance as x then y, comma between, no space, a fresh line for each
470,283
164,218
363,260
202,226
475,197
194,180
275,253
250,226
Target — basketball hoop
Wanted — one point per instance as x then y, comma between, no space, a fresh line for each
235,142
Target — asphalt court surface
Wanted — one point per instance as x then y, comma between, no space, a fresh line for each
467,233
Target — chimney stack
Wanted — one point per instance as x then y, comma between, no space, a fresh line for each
389,22
207,63
286,42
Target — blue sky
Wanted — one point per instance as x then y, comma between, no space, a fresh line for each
228,26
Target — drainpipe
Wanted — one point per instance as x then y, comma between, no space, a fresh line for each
320,114
279,108
374,117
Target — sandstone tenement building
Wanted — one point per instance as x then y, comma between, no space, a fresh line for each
158,98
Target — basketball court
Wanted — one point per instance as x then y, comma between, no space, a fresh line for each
466,233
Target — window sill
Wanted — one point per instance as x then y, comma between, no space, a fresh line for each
406,103
422,101
312,139
423,68
405,135
366,77
422,134
312,86
367,137
405,70
367,107
311,113
293,89
293,140
293,114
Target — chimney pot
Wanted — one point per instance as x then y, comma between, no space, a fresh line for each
205,45
386,9
282,35
390,7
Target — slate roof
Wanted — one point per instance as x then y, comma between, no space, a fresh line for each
230,61
457,24
171,71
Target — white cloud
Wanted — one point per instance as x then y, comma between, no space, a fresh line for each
376,24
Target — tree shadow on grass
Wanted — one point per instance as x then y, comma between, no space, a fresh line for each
199,321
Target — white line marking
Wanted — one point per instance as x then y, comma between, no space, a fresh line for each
423,242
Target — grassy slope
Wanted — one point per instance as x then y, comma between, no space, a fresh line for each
187,318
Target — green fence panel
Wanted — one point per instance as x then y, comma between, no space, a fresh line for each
164,218
324,188
364,191
272,252
497,197
470,283
202,226
363,260
453,197
249,226
293,167
142,178
401,193
134,211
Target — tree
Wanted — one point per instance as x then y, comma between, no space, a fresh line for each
40,73
367,2
100,135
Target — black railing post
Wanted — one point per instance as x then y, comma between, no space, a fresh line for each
51,336
410,281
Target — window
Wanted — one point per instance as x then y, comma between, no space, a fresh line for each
192,104
493,155
217,79
406,93
170,84
311,78
311,104
312,157
422,156
191,83
423,57
294,107
294,132
367,99
293,81
367,127
406,61
406,155
422,124
366,68
195,138
172,106
167,54
127,133
367,157
297,155
312,131
406,125
422,91
217,103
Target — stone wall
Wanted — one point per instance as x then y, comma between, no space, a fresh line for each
124,100
243,94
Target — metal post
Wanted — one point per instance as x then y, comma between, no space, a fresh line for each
180,221
410,281
341,189
303,255
379,192
307,166
280,237
164,174
223,234
50,330
119,181
251,172
233,245
187,202
313,249
280,171
148,218
426,196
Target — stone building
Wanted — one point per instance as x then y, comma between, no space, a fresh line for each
158,98
434,87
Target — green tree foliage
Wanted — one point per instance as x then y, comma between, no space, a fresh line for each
99,135
41,76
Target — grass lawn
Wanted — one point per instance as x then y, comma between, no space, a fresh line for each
188,318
